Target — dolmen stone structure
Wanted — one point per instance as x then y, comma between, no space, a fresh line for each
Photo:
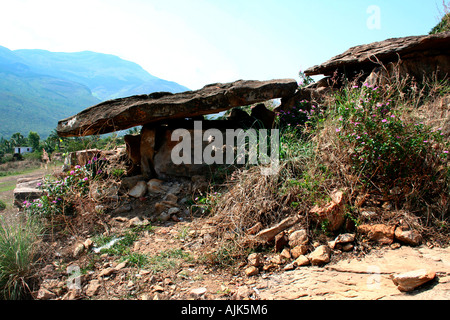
379,62
161,113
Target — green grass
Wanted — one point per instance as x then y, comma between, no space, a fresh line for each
7,186
167,259
18,257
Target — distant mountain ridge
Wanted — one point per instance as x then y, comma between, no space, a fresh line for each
39,87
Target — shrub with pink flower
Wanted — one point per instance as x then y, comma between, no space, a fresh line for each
387,150
59,194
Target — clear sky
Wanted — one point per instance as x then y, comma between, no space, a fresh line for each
196,42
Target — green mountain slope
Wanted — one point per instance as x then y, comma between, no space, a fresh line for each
35,102
107,76
38,87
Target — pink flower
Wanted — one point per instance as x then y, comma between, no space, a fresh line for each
72,172
338,129
85,178
446,151
384,120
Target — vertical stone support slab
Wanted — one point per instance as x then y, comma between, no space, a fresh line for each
147,151
133,149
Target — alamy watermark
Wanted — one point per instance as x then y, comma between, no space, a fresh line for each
74,277
374,20
373,281
234,146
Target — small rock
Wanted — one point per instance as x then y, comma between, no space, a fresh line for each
173,211
72,294
158,288
136,221
93,288
277,259
411,237
79,249
251,271
197,292
333,212
159,207
45,294
254,259
171,197
289,266
332,244
144,272
298,251
139,190
320,255
395,245
345,238
122,209
298,238
88,243
129,182
347,247
269,266
121,265
106,272
302,261
380,233
144,296
164,216
156,186
408,281
285,253
242,292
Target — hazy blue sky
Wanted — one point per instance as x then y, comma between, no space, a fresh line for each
196,42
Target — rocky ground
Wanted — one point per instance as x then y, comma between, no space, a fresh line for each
188,276
179,251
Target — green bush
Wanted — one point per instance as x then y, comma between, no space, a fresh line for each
443,25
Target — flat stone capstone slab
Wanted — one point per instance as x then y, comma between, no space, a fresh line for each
124,113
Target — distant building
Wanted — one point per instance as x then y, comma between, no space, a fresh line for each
22,150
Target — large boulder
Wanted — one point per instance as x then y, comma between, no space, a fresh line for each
418,55
124,113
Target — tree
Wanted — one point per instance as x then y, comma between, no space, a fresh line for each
17,140
33,140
